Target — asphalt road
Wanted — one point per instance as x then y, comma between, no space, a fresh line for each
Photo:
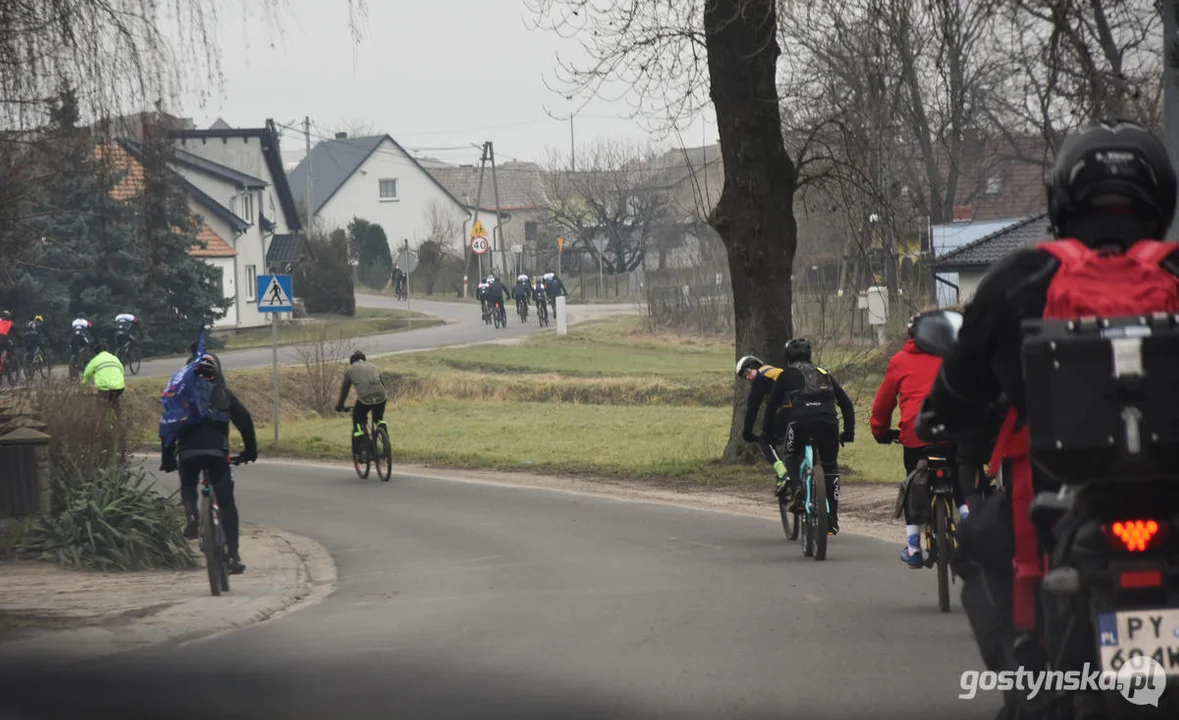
479,601
464,326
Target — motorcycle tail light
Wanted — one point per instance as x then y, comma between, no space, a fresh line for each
1135,535
1137,579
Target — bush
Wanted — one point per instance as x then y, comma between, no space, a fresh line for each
111,518
326,284
375,264
82,427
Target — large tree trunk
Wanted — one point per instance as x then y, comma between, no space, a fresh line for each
755,214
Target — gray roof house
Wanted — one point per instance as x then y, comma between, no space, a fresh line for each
374,178
971,261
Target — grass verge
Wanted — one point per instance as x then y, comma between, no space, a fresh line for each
608,399
367,321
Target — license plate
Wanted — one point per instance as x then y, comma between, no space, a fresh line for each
1130,633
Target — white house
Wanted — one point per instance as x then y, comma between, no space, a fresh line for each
236,182
970,262
374,178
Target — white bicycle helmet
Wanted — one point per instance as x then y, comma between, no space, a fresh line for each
521,278
747,362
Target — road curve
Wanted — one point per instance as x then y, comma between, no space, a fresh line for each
459,599
464,326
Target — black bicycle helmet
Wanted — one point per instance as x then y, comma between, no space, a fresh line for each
911,328
798,349
5,315
1112,163
207,367
357,357
747,362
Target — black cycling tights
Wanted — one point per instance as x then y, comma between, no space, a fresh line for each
222,482
824,437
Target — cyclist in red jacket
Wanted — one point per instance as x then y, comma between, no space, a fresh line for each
5,330
910,376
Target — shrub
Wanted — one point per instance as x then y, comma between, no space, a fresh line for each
82,427
111,518
326,284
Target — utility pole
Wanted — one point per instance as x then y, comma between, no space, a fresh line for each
503,262
478,202
572,151
1171,90
310,209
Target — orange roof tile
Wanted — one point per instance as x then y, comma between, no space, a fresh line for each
130,185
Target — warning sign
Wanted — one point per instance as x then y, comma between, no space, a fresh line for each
478,230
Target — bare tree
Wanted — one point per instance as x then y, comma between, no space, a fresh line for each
666,54
619,191
443,228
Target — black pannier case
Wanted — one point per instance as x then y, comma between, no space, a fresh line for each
1103,396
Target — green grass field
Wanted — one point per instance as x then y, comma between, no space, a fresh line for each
607,399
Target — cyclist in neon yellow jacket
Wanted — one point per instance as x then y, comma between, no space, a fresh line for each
107,373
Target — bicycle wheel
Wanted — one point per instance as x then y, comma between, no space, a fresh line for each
384,453
819,492
784,512
133,359
362,468
44,366
210,545
941,549
807,519
12,369
30,368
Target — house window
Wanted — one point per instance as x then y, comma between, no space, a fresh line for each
247,203
994,186
251,283
388,189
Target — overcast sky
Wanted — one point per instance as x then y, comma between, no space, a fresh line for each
437,75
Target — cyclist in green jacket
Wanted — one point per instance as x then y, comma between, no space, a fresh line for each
107,373
370,396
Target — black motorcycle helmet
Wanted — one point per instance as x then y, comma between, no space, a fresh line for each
798,349
1110,164
357,357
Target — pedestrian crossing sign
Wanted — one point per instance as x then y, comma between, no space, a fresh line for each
275,293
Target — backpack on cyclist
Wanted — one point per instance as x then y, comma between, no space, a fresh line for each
816,387
1088,283
190,399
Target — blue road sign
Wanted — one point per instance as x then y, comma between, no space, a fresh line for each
275,293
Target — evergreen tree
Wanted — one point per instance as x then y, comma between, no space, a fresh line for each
375,264
326,284
356,229
178,293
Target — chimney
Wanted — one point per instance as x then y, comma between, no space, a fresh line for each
341,136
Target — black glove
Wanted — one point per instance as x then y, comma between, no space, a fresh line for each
888,437
847,436
250,455
750,437
341,408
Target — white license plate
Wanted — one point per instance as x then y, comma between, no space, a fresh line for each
1129,633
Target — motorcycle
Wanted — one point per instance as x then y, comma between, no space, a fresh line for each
1103,433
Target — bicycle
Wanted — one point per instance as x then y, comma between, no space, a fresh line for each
375,447
500,315
402,290
37,362
128,354
810,518
486,312
542,313
79,360
216,552
941,536
522,310
10,367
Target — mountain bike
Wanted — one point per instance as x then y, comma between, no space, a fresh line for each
810,519
37,362
128,354
941,531
402,290
500,315
79,360
522,310
542,313
486,312
212,534
374,448
10,366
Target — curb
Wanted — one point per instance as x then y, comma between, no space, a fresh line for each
316,579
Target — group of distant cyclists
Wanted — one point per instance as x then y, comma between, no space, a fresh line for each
541,292
85,344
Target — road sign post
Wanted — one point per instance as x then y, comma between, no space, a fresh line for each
276,294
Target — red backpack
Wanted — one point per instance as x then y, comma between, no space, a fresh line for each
1088,283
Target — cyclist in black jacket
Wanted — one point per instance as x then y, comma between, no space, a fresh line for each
802,408
206,447
494,294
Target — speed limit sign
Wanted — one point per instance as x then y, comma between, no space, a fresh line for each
479,245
